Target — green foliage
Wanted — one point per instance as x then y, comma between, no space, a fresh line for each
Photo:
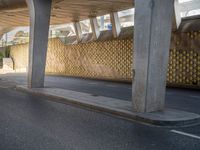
1,55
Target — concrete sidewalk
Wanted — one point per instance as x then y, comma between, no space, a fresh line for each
117,107
113,98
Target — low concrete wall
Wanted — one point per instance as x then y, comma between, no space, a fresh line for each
7,64
112,59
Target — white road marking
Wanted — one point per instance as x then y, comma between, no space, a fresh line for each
186,134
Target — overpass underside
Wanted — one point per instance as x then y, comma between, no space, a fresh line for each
152,36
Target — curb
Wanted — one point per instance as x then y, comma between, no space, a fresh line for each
154,118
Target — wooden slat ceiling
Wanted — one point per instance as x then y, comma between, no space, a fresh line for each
14,13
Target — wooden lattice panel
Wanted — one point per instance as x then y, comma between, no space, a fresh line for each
184,60
112,59
19,54
103,60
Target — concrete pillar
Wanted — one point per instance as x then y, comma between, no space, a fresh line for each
152,33
40,11
95,28
102,22
177,14
116,26
77,28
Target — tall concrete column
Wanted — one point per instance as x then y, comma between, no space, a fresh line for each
177,14
116,26
95,28
40,11
77,28
152,33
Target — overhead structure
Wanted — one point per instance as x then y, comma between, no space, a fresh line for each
191,23
183,18
40,12
14,13
152,32
187,6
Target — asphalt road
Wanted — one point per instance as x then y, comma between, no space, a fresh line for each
183,99
30,122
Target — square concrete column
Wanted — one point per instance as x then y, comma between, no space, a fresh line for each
116,26
40,11
177,14
78,31
95,28
152,33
